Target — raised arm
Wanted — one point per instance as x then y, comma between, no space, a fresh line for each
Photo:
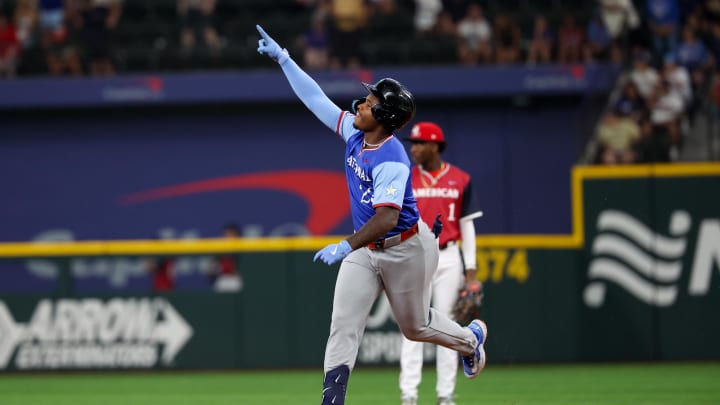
307,90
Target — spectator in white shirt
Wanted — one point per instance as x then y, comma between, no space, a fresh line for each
667,106
619,17
666,111
645,77
426,13
679,79
474,35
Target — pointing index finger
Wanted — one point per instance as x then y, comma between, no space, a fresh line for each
262,32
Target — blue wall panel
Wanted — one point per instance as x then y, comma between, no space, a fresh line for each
77,172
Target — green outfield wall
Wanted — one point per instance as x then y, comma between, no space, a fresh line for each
638,279
651,287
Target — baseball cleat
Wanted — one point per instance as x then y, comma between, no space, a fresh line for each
475,362
409,401
445,401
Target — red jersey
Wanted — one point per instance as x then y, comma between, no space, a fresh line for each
227,265
163,276
447,192
8,40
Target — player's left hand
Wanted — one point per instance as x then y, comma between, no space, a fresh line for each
268,46
473,286
437,226
333,252
469,304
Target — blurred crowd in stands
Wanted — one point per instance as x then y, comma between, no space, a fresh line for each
100,37
672,69
670,47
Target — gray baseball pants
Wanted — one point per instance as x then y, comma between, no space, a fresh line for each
404,272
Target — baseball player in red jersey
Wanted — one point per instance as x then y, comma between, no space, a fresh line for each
440,188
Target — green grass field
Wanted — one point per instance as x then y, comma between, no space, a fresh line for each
651,383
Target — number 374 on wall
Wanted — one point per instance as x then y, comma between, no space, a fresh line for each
495,265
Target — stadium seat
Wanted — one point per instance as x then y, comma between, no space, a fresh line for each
136,10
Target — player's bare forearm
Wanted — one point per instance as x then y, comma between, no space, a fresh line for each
384,220
471,281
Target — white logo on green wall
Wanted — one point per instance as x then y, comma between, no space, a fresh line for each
90,333
648,265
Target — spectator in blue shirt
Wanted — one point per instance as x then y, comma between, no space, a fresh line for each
599,41
51,14
691,52
631,103
664,18
541,42
316,45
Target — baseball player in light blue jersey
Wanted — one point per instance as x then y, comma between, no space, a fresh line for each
392,249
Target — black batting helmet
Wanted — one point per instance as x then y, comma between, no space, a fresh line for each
397,105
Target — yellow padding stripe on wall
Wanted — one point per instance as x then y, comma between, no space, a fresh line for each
213,246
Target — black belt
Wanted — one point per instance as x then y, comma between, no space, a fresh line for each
447,244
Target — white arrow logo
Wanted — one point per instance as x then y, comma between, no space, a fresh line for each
174,332
9,335
87,333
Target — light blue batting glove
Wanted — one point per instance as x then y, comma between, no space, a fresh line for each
268,46
333,252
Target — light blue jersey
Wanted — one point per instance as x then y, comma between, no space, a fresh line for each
377,177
